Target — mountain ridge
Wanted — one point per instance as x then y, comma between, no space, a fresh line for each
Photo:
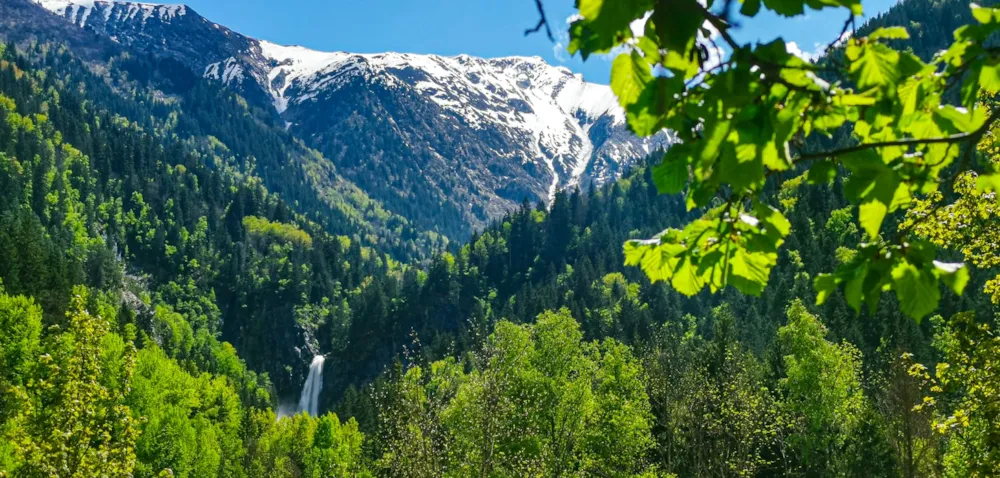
449,142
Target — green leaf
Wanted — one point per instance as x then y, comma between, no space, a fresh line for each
649,113
637,252
773,221
773,158
671,175
875,65
677,24
750,8
970,87
609,17
657,257
828,122
825,285
788,8
863,278
822,172
749,272
705,254
954,275
910,271
681,64
740,165
985,15
699,194
847,99
629,76
871,214
916,289
988,182
716,134
953,120
650,50
889,33
877,188
586,41
853,5
686,279
989,75
854,288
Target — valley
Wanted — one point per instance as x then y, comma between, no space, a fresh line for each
225,256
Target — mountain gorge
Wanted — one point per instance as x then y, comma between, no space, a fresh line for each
450,143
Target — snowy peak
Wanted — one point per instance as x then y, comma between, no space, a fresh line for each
176,31
450,141
548,109
79,11
493,79
295,65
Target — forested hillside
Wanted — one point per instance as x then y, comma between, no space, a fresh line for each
170,264
164,96
102,200
448,142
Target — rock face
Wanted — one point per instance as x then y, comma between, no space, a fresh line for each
449,142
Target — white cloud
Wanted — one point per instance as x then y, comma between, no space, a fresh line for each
559,47
818,50
809,56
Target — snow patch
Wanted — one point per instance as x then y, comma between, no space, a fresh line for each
78,11
227,72
549,117
548,110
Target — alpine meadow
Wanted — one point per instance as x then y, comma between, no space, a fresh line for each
221,256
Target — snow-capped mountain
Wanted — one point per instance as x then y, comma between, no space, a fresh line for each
547,111
448,141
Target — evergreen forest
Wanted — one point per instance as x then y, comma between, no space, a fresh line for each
807,284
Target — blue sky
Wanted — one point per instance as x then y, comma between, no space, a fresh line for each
487,28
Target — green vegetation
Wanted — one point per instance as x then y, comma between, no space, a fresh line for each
164,287
541,402
260,227
746,120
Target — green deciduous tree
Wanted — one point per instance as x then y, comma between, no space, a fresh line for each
970,224
715,415
20,332
822,388
190,424
76,423
965,395
543,403
304,446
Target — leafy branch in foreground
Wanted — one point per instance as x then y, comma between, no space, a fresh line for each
744,113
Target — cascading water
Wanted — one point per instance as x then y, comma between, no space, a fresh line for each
309,401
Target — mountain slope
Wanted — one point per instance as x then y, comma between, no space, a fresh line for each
448,142
231,128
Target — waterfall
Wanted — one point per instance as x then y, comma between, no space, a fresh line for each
309,401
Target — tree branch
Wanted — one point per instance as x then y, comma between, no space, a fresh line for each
721,25
974,138
542,22
955,138
848,25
